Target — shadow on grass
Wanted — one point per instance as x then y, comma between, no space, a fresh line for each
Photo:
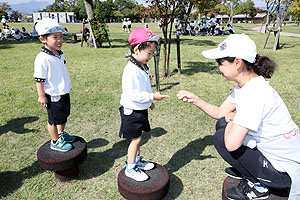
196,67
97,163
124,43
176,187
12,180
192,151
105,45
166,86
198,42
5,44
17,125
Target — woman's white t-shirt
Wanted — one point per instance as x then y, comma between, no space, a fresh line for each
260,109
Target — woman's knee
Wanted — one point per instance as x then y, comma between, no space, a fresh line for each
221,123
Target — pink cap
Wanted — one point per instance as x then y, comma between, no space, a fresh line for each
143,34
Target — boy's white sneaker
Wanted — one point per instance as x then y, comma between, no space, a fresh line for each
136,174
144,165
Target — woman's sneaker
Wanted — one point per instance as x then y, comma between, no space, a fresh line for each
246,190
144,165
60,145
136,174
65,136
233,173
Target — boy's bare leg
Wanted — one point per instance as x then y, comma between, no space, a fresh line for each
133,149
52,129
61,128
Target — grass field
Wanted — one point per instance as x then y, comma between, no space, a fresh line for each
181,138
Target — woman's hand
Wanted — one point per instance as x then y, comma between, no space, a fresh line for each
187,97
229,116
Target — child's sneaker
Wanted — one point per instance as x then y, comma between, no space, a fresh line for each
233,173
60,145
144,165
246,190
65,136
136,174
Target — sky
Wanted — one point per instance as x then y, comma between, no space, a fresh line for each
35,5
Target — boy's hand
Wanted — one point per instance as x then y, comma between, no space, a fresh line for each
43,100
158,96
152,106
186,96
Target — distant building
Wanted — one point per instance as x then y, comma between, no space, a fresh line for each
241,18
60,17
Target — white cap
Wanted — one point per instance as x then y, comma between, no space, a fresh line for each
236,45
48,25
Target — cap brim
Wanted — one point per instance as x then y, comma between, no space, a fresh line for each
211,54
154,39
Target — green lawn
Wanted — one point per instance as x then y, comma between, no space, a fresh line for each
181,138
291,28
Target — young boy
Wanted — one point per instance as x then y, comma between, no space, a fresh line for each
136,98
53,82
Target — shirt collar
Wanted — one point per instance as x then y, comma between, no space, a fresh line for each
134,61
47,51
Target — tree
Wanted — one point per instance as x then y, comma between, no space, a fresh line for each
271,6
205,6
247,8
104,10
15,15
230,8
294,9
166,10
89,11
76,6
4,9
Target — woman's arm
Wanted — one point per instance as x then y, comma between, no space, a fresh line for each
234,136
210,109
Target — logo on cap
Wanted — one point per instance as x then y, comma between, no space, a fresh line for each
151,34
223,46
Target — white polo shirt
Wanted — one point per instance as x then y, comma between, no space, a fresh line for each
53,71
136,87
260,109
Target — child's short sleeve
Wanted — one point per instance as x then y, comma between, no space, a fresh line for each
40,67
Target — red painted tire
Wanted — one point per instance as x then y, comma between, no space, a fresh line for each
156,187
231,182
59,161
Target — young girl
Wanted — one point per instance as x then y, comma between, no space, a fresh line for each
136,98
259,140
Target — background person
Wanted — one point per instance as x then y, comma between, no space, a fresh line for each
255,132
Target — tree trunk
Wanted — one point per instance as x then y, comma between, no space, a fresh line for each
278,26
89,11
169,48
165,33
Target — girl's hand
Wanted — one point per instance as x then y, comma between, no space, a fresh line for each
43,100
187,97
158,96
152,106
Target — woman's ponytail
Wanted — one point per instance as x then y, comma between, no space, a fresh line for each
264,66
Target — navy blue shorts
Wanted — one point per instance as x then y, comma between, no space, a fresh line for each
59,111
132,125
